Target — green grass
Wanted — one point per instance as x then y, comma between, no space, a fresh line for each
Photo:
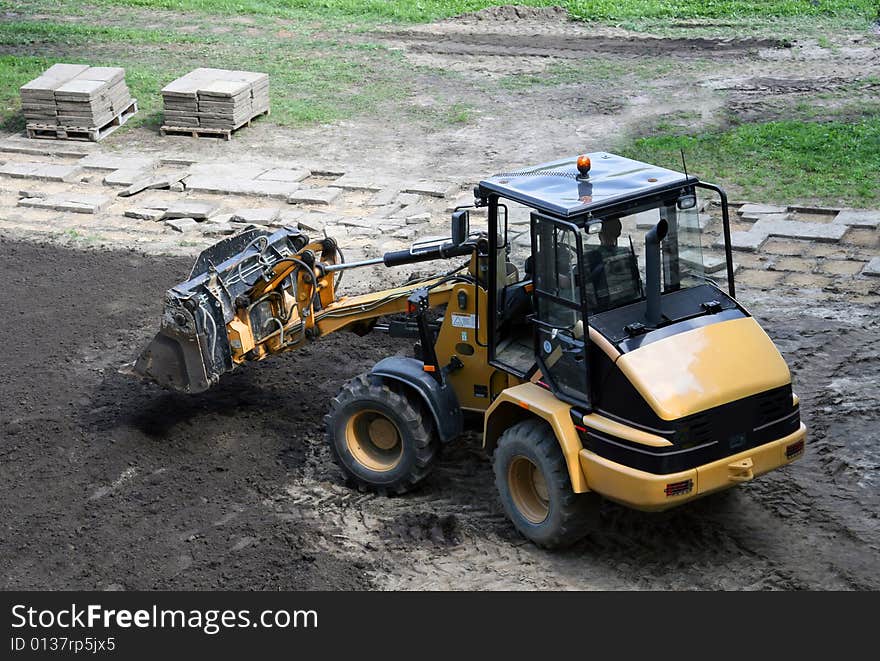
29,33
15,72
313,80
598,69
592,10
836,162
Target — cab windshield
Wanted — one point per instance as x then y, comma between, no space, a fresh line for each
614,256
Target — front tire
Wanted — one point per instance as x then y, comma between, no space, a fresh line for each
381,437
532,481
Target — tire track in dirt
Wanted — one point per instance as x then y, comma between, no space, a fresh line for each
576,46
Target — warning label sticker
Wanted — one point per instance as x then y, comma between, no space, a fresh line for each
464,320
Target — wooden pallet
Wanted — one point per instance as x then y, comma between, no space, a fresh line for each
90,134
208,131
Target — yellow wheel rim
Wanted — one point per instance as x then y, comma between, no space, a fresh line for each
528,489
373,440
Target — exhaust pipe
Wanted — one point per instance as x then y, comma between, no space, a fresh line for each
653,238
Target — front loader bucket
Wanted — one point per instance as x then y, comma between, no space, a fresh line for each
176,361
191,350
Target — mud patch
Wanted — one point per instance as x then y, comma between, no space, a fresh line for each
423,528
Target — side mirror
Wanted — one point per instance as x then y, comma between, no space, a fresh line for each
461,221
688,201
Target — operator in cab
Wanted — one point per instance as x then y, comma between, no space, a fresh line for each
612,270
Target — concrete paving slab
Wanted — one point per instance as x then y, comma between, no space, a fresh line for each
229,169
354,222
177,160
155,202
872,268
36,203
800,230
153,181
284,174
72,202
195,209
441,189
384,197
21,144
314,196
408,199
315,222
19,170
768,216
418,219
405,233
182,225
56,172
761,208
356,181
218,229
229,185
324,169
259,216
768,226
144,214
32,192
126,178
749,241
858,217
110,162
391,212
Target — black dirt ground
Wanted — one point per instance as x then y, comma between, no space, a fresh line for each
110,483
106,481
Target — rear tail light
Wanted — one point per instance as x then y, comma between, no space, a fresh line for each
679,488
794,449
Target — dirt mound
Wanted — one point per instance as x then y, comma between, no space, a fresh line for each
514,13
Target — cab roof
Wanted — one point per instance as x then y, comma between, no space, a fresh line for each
556,189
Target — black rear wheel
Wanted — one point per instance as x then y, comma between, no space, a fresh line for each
381,436
532,481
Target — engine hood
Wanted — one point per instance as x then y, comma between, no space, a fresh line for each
705,367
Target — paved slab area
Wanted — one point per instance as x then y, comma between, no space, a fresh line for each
767,226
179,206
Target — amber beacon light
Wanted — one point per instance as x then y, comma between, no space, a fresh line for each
583,165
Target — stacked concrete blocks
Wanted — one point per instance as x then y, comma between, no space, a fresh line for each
73,101
214,101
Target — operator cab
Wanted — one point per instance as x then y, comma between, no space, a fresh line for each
613,258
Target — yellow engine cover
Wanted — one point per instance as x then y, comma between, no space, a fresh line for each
705,367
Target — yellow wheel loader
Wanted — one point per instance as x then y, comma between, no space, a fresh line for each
606,361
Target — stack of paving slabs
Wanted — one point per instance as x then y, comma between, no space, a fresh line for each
38,96
214,101
84,102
